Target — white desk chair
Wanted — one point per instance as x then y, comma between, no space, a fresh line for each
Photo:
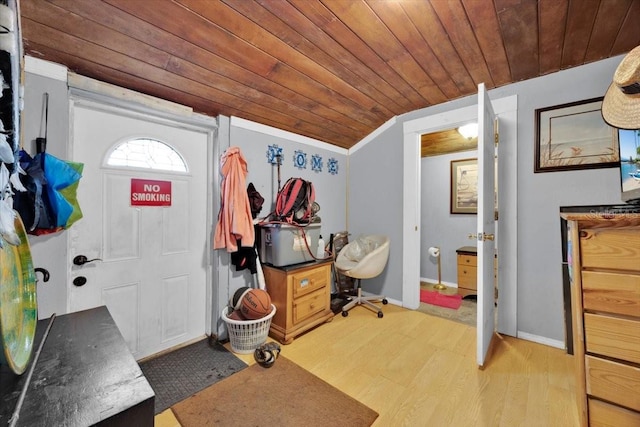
364,258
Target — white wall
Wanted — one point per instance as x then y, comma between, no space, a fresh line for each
375,203
539,284
540,301
374,191
330,189
48,251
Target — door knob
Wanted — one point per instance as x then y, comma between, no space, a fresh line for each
80,281
481,237
81,260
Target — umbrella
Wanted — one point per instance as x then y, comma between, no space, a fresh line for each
50,203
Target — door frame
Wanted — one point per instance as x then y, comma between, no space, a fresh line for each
507,109
112,99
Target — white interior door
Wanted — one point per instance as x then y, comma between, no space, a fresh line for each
486,224
152,269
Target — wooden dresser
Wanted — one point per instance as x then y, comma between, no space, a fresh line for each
604,250
302,296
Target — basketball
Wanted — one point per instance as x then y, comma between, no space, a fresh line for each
236,299
236,315
255,304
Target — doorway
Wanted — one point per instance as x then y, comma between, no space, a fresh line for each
506,108
442,228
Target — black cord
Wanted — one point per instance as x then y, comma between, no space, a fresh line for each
46,114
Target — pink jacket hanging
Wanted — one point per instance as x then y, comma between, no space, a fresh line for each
234,219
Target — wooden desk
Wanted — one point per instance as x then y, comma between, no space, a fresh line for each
85,376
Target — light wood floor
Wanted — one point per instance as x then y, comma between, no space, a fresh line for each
419,370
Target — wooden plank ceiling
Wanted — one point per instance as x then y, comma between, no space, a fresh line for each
333,70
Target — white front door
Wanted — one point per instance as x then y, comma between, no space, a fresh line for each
150,267
486,225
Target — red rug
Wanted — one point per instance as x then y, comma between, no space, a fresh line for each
436,298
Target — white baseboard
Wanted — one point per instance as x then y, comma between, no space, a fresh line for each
448,284
542,340
395,302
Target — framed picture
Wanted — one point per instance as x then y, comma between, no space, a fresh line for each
464,186
574,136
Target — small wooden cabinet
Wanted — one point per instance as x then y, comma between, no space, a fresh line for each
467,270
302,296
605,302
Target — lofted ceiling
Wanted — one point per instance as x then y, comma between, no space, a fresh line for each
333,70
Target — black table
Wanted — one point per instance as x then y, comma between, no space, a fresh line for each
85,375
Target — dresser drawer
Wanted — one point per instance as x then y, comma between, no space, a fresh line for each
467,260
612,336
602,414
467,277
614,382
309,305
611,292
617,249
308,281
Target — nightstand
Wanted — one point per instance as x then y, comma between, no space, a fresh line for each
302,296
467,270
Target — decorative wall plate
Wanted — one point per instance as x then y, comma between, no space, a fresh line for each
300,159
316,163
332,166
273,154
18,302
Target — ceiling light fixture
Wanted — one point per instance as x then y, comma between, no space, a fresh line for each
469,131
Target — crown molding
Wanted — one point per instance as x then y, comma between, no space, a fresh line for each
45,68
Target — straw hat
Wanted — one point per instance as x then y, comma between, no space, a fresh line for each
621,104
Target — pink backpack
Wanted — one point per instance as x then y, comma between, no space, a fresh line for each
294,202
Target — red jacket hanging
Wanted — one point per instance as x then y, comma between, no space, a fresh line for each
234,219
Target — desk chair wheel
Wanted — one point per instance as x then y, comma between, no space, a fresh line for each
380,314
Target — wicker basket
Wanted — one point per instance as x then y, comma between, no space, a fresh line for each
247,335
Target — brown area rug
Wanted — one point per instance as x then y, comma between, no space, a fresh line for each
283,395
466,312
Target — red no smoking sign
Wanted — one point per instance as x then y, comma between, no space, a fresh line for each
149,192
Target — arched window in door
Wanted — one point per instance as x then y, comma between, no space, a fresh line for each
147,153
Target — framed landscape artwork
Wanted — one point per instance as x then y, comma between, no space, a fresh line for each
464,186
574,136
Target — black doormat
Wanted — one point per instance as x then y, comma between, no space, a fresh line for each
177,375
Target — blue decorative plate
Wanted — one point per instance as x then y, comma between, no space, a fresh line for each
18,302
